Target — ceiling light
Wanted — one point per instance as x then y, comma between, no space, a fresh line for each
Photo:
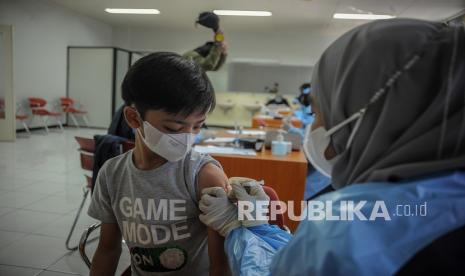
133,11
362,16
242,13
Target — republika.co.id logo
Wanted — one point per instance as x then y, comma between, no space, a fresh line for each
344,210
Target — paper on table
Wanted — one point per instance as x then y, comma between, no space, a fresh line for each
249,132
220,140
225,150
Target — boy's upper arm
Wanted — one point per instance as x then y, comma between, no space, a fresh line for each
211,176
110,236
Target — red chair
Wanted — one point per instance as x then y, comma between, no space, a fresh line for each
67,104
279,221
38,109
87,149
86,152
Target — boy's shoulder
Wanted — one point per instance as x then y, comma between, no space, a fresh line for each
192,163
195,158
116,163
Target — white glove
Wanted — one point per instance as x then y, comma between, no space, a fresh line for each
251,191
253,188
218,212
244,181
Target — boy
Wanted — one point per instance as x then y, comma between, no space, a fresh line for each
149,195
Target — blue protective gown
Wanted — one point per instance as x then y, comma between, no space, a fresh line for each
304,113
379,247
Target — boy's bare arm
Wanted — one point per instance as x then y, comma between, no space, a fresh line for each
212,176
106,257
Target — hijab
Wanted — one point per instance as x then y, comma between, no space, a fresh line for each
406,78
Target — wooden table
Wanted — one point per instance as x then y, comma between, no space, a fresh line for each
285,174
269,121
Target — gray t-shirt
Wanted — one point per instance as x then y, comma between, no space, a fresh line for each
157,213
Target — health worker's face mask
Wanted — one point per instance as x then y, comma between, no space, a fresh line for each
172,147
317,141
315,144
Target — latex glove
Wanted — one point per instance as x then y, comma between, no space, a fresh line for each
247,183
251,191
218,212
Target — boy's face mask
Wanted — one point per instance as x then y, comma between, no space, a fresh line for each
172,147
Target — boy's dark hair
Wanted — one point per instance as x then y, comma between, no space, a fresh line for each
169,82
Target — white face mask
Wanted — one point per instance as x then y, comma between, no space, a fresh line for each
315,144
172,147
317,141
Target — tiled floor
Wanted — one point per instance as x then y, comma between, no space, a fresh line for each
40,191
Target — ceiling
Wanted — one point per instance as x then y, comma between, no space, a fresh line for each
298,14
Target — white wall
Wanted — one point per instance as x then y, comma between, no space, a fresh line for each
291,46
41,33
90,82
122,65
286,46
244,77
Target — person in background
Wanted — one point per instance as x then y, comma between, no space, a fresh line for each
304,97
278,101
304,113
272,90
149,195
119,127
316,182
212,55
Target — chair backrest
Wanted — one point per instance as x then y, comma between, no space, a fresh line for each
66,102
87,160
279,221
86,153
87,149
86,144
37,102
